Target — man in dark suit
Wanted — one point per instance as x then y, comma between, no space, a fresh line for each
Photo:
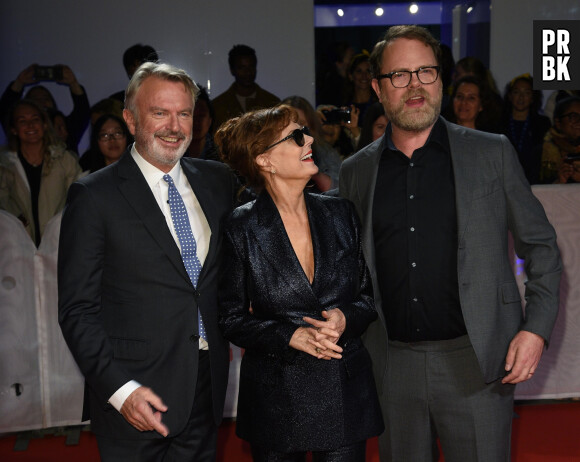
128,296
436,202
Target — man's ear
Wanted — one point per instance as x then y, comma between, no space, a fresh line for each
129,120
376,87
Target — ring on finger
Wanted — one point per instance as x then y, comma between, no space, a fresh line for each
318,350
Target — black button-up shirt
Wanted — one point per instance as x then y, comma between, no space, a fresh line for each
415,233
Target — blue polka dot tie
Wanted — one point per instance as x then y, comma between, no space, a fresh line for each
186,239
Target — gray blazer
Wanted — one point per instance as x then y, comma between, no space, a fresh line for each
492,198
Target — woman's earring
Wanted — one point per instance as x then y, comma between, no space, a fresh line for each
273,171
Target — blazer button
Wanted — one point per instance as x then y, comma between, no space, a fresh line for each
194,338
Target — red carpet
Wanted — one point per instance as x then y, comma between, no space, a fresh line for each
541,433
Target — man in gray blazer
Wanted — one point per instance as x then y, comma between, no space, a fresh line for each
436,202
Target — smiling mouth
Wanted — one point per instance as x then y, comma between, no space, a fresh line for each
170,139
306,157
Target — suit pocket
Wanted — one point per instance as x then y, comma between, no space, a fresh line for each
135,350
510,293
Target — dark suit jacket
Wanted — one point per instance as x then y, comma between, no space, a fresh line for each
492,198
127,307
289,400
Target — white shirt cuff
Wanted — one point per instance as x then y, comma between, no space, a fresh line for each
123,393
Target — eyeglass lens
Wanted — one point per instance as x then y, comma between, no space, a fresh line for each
110,136
425,75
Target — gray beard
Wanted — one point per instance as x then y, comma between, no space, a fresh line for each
417,121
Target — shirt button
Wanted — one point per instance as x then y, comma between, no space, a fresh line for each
418,330
411,164
413,264
412,196
414,299
412,229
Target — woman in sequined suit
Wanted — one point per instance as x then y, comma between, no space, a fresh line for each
296,294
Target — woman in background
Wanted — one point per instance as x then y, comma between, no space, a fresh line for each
373,126
36,172
110,138
361,94
469,107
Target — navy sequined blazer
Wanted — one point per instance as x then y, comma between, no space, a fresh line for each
289,400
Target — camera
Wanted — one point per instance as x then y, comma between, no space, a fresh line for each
571,158
48,73
336,116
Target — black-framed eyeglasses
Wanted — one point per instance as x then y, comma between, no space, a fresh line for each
110,136
297,135
401,79
574,117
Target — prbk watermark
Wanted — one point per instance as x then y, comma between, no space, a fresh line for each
557,55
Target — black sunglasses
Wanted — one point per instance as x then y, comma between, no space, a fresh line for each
297,135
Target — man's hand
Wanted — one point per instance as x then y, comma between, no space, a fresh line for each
143,409
523,357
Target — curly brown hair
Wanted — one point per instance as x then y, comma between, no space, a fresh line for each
242,139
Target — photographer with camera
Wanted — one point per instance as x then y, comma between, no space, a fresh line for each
76,121
340,127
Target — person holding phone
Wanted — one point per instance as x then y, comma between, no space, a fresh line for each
76,122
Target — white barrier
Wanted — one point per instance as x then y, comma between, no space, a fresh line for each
558,375
41,386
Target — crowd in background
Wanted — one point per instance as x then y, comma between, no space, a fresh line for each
42,158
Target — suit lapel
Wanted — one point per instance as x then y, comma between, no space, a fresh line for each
461,157
365,181
323,231
135,189
275,245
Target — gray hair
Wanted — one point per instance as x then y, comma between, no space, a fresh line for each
161,71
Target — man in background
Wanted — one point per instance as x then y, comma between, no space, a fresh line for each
244,94
133,57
